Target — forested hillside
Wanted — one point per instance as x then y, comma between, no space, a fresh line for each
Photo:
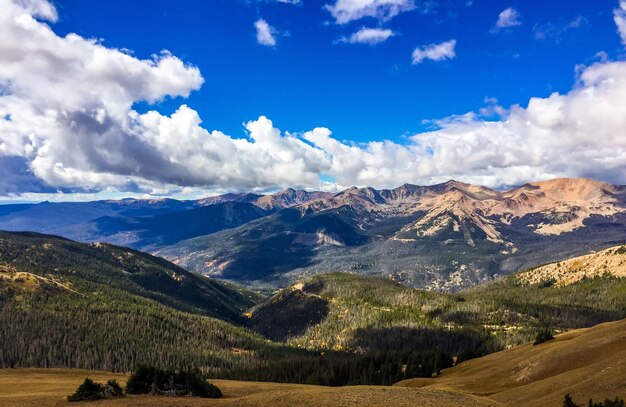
345,311
103,307
67,304
32,260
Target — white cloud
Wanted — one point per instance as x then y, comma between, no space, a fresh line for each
67,123
265,33
509,17
345,11
369,36
556,31
575,134
619,15
434,52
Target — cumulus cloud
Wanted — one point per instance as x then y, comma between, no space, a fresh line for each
434,52
265,33
619,15
369,36
67,124
509,17
345,11
575,134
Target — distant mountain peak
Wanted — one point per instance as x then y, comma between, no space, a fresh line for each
289,197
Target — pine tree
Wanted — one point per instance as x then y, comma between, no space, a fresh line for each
568,402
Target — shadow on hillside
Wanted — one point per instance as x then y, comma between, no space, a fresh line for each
288,316
465,343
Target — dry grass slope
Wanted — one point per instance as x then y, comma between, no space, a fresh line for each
609,261
587,363
49,387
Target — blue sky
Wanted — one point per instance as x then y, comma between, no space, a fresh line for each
361,92
158,98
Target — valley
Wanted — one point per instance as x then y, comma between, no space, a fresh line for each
359,288
317,203
103,307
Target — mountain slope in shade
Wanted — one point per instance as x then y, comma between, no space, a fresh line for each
162,230
444,236
48,217
146,224
268,247
586,363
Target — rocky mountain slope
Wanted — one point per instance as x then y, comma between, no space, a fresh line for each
445,236
440,237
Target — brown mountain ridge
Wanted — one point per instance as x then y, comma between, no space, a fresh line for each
443,236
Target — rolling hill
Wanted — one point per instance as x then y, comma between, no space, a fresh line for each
586,363
103,307
31,262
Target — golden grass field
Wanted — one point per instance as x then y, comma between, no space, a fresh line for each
49,387
586,363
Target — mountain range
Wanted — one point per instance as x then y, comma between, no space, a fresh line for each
442,237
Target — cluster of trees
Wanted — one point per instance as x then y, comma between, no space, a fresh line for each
149,380
114,332
111,330
114,336
617,402
338,368
90,390
87,268
186,382
543,335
